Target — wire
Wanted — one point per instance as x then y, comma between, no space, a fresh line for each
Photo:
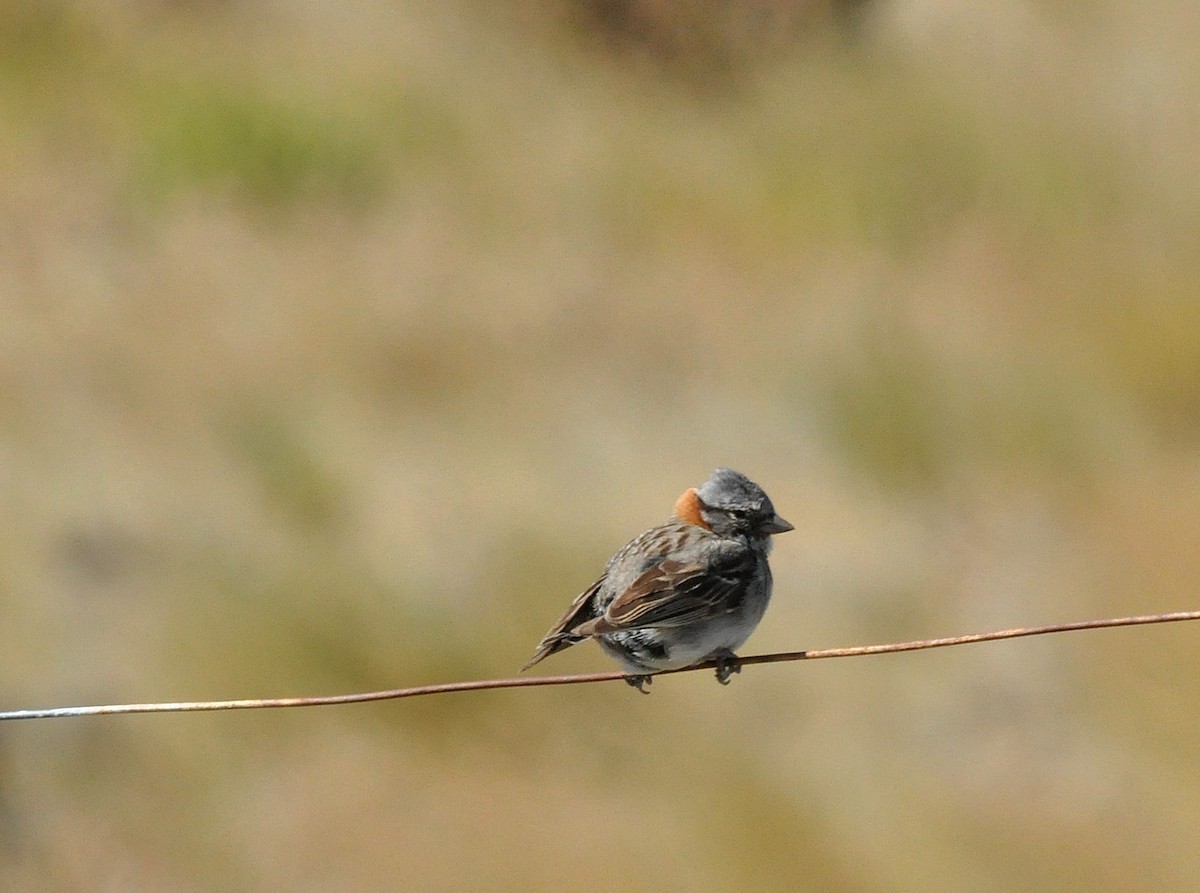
531,681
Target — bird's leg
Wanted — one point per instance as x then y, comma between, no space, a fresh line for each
727,664
641,683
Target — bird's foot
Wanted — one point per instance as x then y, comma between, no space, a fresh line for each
727,665
641,683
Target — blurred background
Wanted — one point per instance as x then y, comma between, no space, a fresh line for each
341,344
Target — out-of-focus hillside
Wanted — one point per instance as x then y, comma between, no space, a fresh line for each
341,344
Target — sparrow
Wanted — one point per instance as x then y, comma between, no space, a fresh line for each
685,592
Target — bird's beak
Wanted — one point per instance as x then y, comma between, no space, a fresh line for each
777,525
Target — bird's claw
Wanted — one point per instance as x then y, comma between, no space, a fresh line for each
641,683
727,665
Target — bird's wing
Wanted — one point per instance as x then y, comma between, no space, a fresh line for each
675,593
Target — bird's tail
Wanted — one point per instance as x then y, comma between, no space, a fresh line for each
552,644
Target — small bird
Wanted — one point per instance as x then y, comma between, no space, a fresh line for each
682,593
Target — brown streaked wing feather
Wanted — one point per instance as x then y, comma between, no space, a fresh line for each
674,593
559,636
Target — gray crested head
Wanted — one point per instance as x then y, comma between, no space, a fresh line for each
732,504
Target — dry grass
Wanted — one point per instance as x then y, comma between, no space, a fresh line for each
342,344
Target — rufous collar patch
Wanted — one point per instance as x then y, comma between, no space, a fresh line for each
687,509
